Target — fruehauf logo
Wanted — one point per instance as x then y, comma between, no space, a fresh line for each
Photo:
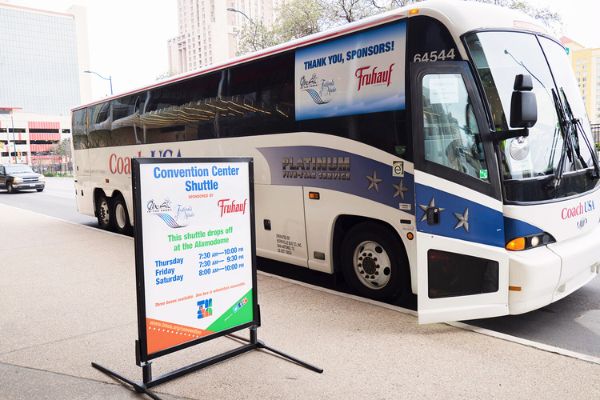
367,76
229,206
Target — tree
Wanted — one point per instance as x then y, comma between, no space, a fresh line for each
63,148
344,11
295,19
256,36
298,18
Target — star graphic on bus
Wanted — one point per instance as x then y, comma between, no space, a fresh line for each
463,220
374,181
427,207
400,189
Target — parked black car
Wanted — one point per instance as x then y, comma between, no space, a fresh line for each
15,177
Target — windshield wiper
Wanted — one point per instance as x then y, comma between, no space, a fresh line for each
566,146
578,128
570,126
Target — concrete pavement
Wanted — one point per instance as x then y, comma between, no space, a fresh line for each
67,297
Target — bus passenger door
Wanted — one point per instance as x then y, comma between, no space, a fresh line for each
462,265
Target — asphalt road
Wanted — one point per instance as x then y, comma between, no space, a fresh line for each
57,200
572,323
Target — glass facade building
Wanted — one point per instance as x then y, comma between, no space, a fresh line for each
38,61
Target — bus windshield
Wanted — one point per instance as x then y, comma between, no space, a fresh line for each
499,57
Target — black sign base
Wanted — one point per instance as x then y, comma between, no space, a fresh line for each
252,344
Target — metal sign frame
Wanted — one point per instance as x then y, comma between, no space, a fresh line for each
143,359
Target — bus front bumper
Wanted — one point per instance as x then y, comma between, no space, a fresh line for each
541,276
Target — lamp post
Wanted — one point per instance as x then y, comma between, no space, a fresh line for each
109,79
251,21
12,122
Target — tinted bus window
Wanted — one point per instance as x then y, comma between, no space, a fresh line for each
99,127
126,126
79,130
182,111
260,98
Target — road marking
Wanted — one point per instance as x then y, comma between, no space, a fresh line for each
526,342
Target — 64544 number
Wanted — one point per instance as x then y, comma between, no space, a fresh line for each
433,56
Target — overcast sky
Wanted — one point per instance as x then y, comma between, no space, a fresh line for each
128,38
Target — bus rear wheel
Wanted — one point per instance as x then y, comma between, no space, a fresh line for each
103,212
120,216
373,262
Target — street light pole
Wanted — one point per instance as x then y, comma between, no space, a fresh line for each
12,122
109,79
251,21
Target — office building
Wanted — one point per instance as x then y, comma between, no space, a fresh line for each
42,59
27,138
208,32
586,65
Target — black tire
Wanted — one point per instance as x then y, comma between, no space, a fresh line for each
9,187
103,212
374,263
40,190
120,216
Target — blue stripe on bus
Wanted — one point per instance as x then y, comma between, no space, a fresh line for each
373,180
363,177
459,218
514,228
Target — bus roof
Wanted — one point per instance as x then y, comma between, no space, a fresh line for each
459,16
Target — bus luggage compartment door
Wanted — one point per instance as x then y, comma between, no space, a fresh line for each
280,223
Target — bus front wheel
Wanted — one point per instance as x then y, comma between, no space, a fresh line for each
121,216
103,212
373,262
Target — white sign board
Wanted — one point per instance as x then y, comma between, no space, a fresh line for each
194,251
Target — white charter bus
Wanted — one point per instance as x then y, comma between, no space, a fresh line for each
440,149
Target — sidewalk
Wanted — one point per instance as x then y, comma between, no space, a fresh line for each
67,297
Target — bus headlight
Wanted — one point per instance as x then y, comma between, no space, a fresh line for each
529,242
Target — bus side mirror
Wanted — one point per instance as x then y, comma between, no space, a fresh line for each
523,104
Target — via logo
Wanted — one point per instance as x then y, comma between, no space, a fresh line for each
205,308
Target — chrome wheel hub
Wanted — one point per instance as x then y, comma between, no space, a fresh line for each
372,265
121,216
